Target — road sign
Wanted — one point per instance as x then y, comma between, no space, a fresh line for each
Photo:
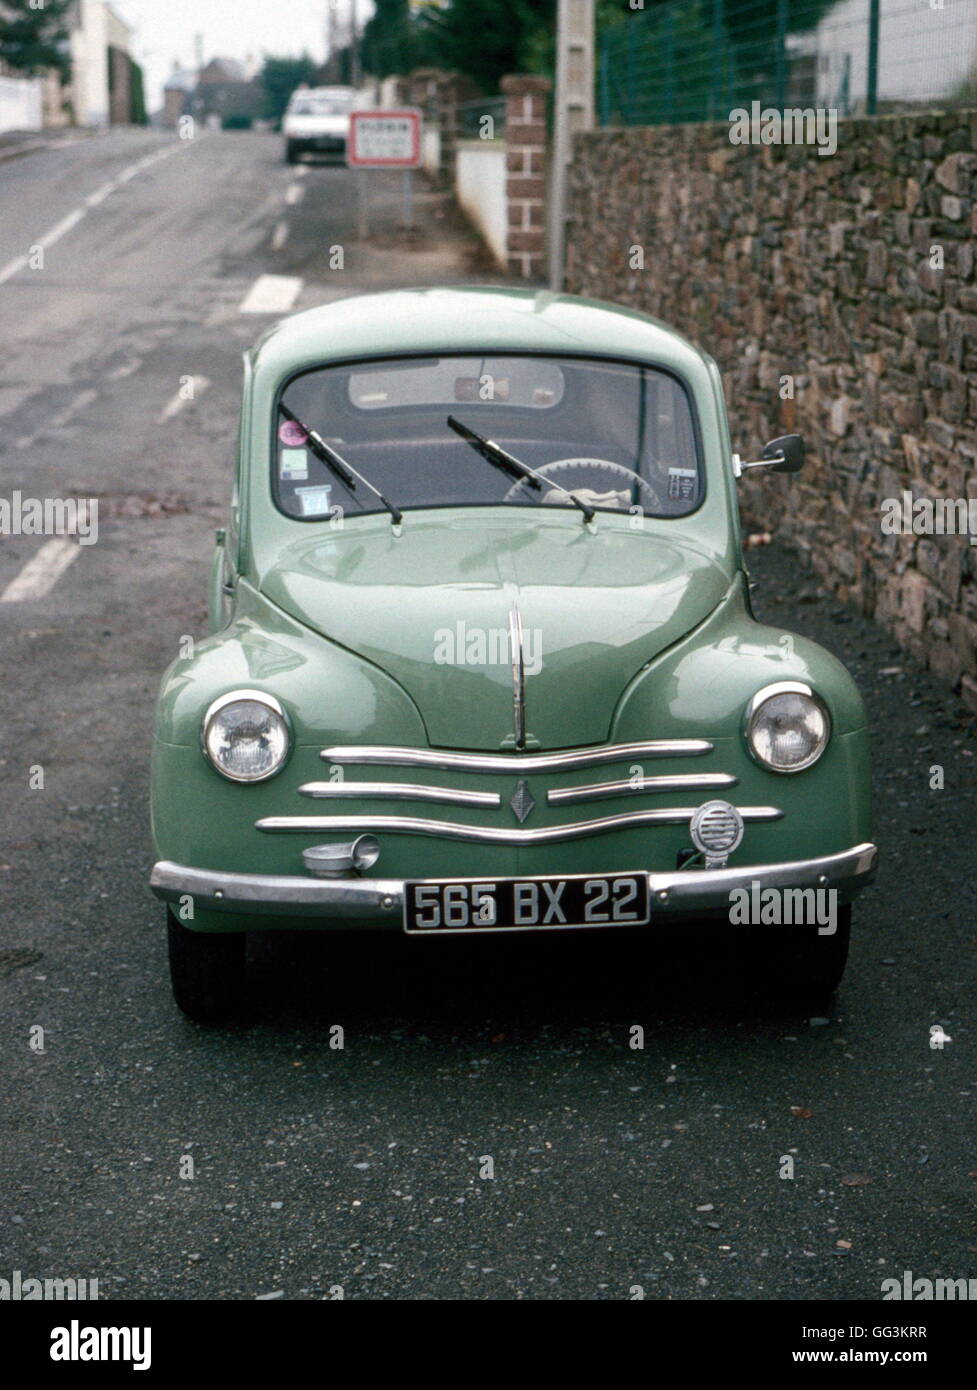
384,139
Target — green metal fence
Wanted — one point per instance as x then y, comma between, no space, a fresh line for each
673,61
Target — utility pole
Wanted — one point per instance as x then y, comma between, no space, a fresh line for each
354,56
573,110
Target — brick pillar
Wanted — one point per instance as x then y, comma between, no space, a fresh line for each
453,89
525,137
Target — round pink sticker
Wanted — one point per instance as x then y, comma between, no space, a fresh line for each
291,434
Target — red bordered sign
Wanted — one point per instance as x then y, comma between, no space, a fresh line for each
384,139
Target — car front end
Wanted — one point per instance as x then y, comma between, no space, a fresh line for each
475,709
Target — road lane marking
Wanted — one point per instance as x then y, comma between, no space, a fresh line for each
174,406
280,236
271,294
11,268
99,196
60,229
126,369
42,571
301,171
57,422
294,193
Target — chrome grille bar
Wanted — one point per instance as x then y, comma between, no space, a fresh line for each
603,791
399,791
490,835
369,755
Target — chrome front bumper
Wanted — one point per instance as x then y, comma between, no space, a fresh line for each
336,901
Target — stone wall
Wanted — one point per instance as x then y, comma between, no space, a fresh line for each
815,281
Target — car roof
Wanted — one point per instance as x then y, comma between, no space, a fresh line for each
469,320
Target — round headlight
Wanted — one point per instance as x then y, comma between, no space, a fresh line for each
787,726
245,736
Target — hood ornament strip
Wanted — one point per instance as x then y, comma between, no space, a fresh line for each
518,677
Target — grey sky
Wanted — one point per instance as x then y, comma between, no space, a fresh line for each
165,29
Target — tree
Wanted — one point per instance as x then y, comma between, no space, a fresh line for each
279,78
34,38
137,112
472,38
393,42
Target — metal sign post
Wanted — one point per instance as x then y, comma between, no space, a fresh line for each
384,140
364,204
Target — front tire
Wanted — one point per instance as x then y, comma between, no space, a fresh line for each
291,152
207,971
810,967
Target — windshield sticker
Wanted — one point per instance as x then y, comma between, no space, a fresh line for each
314,501
291,433
681,483
293,465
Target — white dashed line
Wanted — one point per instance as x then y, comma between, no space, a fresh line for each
42,572
271,294
301,171
174,406
61,228
294,194
57,422
126,369
280,236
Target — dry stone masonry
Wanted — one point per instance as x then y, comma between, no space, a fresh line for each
838,296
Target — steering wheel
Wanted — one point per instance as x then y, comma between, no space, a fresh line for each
616,475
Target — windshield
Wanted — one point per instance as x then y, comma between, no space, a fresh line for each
335,106
619,437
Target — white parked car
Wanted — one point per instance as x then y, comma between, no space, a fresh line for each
316,121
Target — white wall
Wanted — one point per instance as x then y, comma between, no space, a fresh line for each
430,147
90,65
20,103
923,52
388,93
480,177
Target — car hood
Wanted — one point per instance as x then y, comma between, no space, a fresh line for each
432,606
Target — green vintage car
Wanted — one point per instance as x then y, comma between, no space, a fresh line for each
482,656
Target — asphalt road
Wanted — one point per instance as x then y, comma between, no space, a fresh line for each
363,1167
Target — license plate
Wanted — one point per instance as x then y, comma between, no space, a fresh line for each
485,904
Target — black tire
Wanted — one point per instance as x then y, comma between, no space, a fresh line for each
291,153
207,971
809,966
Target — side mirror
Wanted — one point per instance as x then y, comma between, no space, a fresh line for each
786,454
783,455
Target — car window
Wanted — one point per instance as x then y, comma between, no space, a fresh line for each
321,107
621,437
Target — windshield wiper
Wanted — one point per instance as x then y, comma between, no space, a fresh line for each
341,467
495,453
